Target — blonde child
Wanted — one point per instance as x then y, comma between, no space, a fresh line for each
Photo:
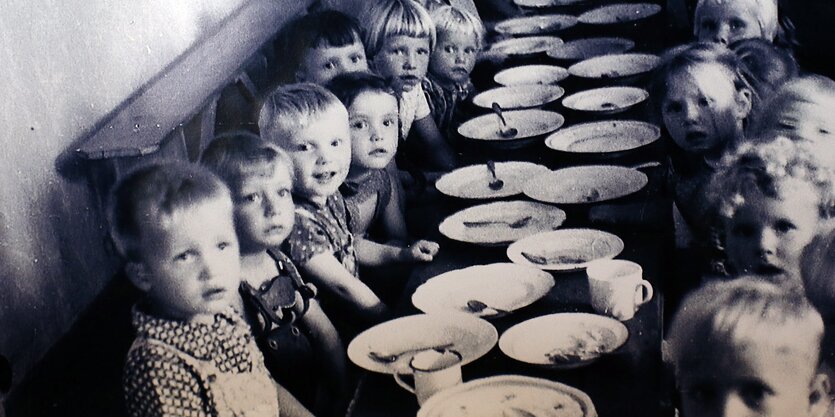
319,46
259,176
727,21
311,125
773,198
193,354
747,347
460,36
399,40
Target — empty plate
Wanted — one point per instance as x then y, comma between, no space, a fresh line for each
619,13
518,96
531,74
473,181
607,100
509,395
564,249
535,25
525,46
585,184
388,347
500,289
501,222
614,66
563,340
529,123
603,137
580,49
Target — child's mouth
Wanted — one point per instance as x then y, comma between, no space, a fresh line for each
324,177
275,229
409,79
214,294
379,152
696,137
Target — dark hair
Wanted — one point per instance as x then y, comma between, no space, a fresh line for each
327,28
346,87
150,193
765,66
236,156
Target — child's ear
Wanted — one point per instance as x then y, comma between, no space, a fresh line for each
744,99
300,75
819,396
137,273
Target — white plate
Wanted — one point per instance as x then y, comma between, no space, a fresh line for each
619,13
614,66
501,286
607,100
490,224
603,137
473,181
563,340
466,334
579,49
535,25
509,395
531,74
565,249
546,3
518,96
585,184
525,46
528,122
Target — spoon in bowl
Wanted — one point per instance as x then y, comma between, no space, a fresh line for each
495,184
506,131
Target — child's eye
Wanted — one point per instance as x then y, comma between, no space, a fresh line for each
469,50
823,131
224,245
336,142
389,122
329,65
753,393
283,192
252,198
673,107
784,226
185,256
356,58
708,24
359,124
304,147
703,102
737,24
449,49
785,125
423,51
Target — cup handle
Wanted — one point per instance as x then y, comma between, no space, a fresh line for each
639,292
403,383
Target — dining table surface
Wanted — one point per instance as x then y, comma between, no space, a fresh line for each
632,380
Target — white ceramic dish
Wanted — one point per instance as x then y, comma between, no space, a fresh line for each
586,48
563,340
502,222
473,181
526,46
614,66
619,13
607,100
509,395
564,249
585,184
403,337
503,287
531,74
535,25
529,123
604,137
519,96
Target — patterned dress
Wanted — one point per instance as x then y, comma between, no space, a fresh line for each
320,229
445,103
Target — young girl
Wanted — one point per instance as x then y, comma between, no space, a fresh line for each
460,36
399,39
774,198
703,102
276,298
727,21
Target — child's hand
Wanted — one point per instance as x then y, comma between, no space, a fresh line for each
422,251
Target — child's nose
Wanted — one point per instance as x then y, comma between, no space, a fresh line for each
733,406
691,113
212,267
768,243
722,34
270,206
409,62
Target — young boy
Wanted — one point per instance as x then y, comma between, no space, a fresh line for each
319,46
747,347
193,354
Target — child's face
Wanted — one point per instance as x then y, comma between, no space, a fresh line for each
702,109
757,379
264,209
322,64
190,260
321,154
404,61
454,57
766,235
373,120
726,22
806,121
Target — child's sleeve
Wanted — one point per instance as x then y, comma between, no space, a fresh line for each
423,109
307,240
157,383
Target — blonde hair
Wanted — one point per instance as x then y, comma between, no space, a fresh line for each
292,107
729,315
812,88
387,18
765,11
448,19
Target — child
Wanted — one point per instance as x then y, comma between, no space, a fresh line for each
319,46
259,176
802,111
727,21
747,347
193,354
460,37
399,39
765,66
311,124
773,198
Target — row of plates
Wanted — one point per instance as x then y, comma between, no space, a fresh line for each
549,23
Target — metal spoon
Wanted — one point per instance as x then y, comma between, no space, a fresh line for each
506,131
516,224
478,306
391,358
495,184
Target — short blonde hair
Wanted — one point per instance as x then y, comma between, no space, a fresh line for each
726,315
812,88
448,19
387,18
765,11
292,107
238,156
